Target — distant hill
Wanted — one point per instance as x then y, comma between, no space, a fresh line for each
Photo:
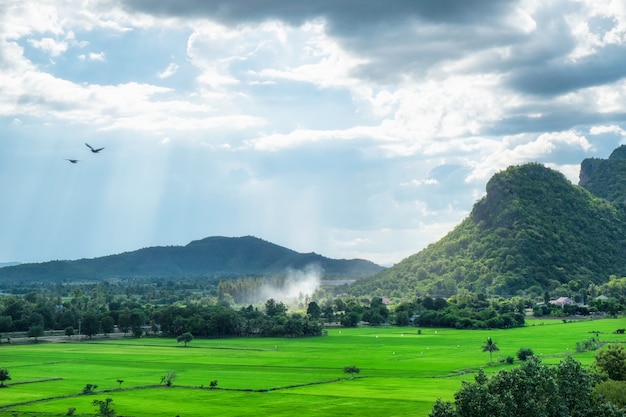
533,231
210,257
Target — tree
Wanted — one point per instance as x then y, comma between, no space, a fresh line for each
352,370
168,378
90,325
613,391
524,353
35,331
530,390
350,319
4,376
89,389
612,360
185,337
6,324
314,311
490,347
69,331
104,408
273,308
107,324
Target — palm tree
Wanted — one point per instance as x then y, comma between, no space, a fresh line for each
490,347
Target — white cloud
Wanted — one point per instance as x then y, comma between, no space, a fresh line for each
49,45
93,57
169,71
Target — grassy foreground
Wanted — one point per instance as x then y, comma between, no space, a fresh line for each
402,372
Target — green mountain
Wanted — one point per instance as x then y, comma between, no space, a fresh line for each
533,231
606,178
213,257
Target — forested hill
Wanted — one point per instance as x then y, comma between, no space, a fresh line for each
210,257
606,178
533,231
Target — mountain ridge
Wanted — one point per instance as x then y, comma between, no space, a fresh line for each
215,256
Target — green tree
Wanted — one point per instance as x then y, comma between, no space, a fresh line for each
613,391
6,324
35,332
69,331
530,390
352,370
104,408
402,318
273,308
490,346
4,376
185,337
612,360
314,311
351,319
524,353
90,325
168,378
107,324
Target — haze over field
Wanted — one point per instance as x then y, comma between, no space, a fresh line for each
354,129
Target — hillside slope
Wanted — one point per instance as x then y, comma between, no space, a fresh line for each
533,231
209,257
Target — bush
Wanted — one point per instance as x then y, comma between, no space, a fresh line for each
587,345
524,353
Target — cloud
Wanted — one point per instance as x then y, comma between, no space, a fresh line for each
169,71
352,128
93,57
49,45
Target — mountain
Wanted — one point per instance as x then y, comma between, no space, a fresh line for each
532,231
606,178
210,257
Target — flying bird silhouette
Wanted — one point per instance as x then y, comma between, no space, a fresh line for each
92,149
73,160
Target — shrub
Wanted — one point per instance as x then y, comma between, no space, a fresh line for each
524,353
587,345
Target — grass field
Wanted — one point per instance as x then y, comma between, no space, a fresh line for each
402,372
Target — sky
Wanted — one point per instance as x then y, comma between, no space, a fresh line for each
349,128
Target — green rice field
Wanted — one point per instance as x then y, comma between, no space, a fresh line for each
402,372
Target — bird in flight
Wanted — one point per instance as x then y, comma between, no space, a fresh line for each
92,149
73,160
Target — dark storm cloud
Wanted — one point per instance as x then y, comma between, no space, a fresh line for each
396,37
552,119
559,75
344,15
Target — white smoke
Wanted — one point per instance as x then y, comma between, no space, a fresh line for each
298,286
